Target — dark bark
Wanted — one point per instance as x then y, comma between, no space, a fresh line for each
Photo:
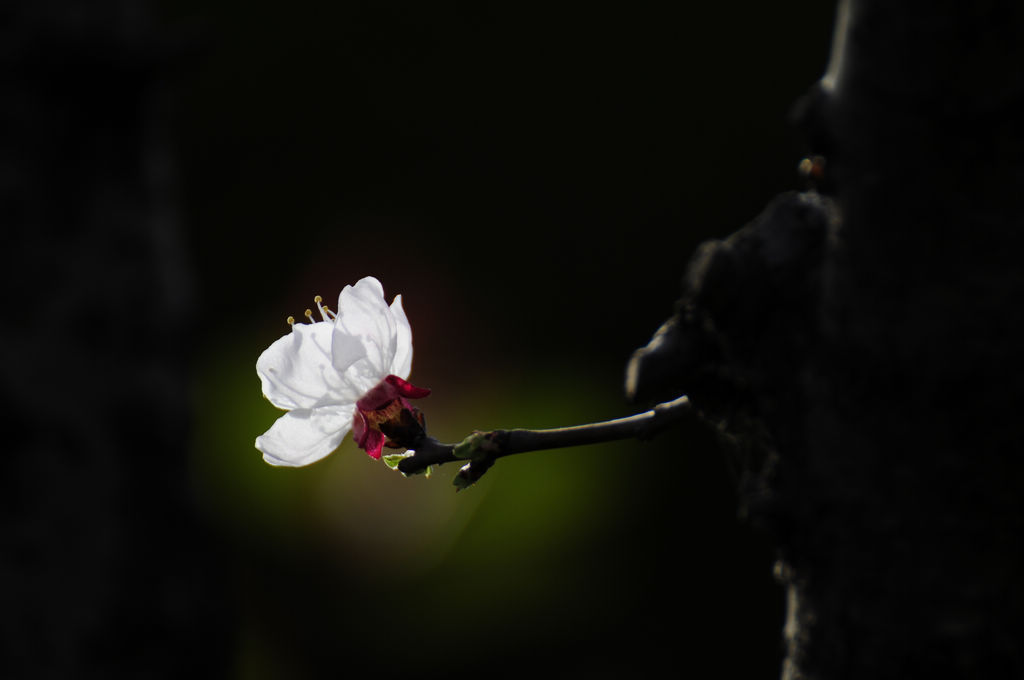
105,570
860,348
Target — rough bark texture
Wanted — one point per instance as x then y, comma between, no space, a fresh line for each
860,348
105,571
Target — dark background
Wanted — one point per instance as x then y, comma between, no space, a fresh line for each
532,180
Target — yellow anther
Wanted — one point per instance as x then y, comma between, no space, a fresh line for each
309,313
291,320
318,299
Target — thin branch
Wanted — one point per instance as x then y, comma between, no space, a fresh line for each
481,449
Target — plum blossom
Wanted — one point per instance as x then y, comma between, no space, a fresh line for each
345,372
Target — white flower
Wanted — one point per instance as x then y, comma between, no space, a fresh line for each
322,373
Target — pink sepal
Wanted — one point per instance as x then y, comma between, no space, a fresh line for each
387,390
374,444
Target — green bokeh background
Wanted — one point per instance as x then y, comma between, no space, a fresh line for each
532,180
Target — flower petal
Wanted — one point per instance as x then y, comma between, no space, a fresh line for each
297,370
346,349
401,364
363,314
305,436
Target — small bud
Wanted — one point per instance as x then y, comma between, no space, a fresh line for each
480,445
461,480
471,472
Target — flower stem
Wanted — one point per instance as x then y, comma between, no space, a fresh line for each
481,449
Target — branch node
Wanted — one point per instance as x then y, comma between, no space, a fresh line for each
480,445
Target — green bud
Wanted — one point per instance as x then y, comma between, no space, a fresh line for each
479,445
462,479
471,472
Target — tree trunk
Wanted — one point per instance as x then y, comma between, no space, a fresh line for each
860,346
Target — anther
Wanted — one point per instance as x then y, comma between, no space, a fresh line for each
323,314
290,320
309,314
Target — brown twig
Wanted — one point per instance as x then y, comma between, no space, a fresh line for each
481,449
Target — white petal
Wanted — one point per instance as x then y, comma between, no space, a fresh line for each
370,286
364,316
305,436
297,371
346,349
401,365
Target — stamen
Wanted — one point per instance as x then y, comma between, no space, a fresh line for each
290,320
322,308
329,313
309,315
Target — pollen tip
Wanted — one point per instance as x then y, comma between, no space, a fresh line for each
308,313
290,320
318,299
